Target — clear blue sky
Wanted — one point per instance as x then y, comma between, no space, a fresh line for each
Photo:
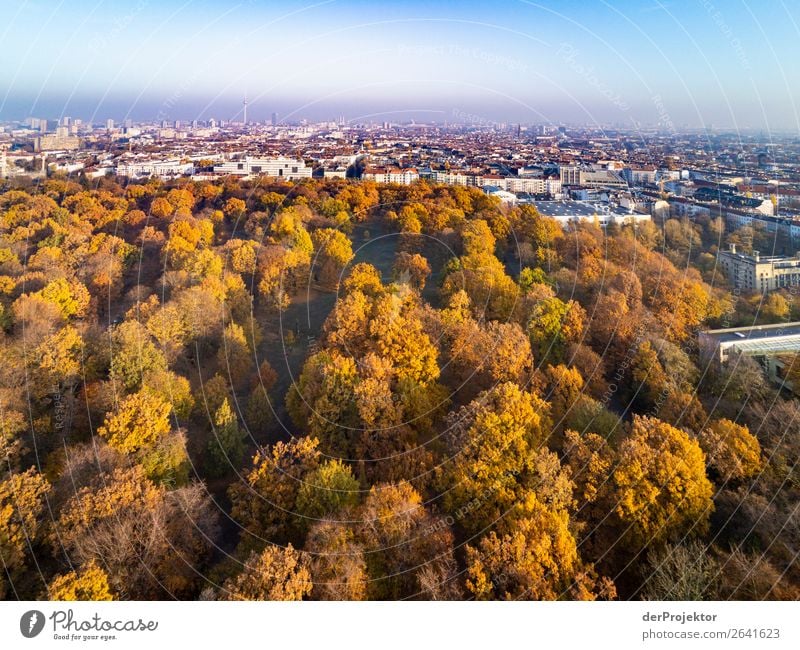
726,62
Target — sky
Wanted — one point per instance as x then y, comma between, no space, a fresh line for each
698,63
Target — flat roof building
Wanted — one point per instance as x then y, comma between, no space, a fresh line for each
280,167
766,343
566,212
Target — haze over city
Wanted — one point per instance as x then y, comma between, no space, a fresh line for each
725,64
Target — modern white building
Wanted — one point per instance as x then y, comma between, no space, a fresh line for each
566,212
160,168
770,345
590,177
504,196
280,167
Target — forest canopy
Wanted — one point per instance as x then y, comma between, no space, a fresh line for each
341,390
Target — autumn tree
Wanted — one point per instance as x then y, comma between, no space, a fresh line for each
234,208
274,574
336,562
732,452
22,508
492,442
264,503
681,572
166,462
483,356
150,540
412,268
323,401
139,421
327,490
71,297
333,252
661,484
89,582
133,354
552,324
401,539
172,389
235,356
535,557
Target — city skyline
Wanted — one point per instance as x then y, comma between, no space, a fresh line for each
669,64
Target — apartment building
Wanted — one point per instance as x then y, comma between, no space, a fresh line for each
287,168
758,272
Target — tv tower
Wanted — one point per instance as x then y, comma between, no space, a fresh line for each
245,109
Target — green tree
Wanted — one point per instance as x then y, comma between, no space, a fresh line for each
133,355
327,490
226,447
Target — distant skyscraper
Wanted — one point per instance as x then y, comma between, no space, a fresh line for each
194,124
274,119
128,123
65,121
110,124
42,126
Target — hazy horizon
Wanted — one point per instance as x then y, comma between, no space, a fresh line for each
672,64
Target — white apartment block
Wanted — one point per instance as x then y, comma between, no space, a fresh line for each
159,168
280,167
575,175
528,185
391,175
457,178
759,273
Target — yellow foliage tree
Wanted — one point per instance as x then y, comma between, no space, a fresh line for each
492,442
661,485
274,574
71,297
535,559
89,582
138,422
22,503
264,503
731,450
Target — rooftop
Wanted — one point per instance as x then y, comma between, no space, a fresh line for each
755,333
575,209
